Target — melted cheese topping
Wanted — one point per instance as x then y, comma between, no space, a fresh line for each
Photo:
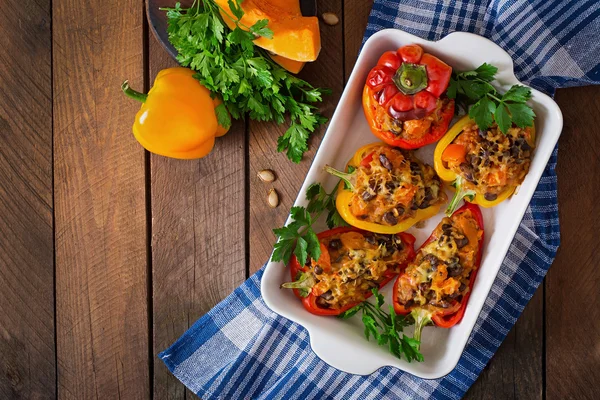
351,264
393,187
440,274
494,161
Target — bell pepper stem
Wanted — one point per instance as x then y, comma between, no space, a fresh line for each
129,92
459,193
345,176
304,282
422,319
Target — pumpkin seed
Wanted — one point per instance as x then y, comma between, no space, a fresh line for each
330,18
272,198
266,175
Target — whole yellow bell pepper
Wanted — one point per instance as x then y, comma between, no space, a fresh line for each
344,197
177,118
455,180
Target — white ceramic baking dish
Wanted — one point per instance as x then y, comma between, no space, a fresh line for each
341,343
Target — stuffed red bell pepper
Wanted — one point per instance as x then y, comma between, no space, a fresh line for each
435,287
404,98
352,262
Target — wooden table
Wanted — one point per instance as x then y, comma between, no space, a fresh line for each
108,253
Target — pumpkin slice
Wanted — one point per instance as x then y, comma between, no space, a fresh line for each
291,65
294,37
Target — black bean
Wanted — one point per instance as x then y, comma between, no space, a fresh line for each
308,261
390,218
423,287
409,303
462,242
335,244
431,259
371,239
462,288
368,195
467,171
495,147
525,146
322,303
515,151
519,161
482,133
387,164
391,186
414,206
363,216
445,227
454,269
400,209
490,196
415,167
327,295
318,270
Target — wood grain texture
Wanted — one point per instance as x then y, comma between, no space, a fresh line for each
27,353
198,235
516,370
327,71
102,319
356,17
572,294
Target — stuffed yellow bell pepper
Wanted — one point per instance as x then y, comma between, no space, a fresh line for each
387,190
484,167
178,117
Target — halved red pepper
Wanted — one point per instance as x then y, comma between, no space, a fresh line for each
444,319
408,85
310,302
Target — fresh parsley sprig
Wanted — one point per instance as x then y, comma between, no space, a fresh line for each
227,62
474,87
298,237
386,328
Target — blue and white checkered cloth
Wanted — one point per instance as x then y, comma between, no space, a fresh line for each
242,350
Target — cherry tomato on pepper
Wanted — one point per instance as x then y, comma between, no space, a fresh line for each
404,98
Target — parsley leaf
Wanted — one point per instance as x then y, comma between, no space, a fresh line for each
474,87
298,237
227,62
385,328
223,117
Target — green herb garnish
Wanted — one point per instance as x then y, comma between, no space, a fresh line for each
489,105
386,328
227,62
298,237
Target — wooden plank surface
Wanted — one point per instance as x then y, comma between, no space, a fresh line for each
198,235
573,282
327,71
210,223
27,355
101,296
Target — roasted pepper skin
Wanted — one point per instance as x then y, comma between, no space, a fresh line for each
449,320
342,202
381,92
177,117
310,302
450,176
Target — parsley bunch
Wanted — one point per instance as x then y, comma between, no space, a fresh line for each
227,62
489,105
386,328
298,237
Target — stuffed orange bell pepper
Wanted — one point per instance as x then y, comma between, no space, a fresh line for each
484,167
404,98
436,286
177,118
387,190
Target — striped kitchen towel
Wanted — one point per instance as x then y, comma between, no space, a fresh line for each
242,350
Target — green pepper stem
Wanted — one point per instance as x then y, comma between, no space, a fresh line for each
459,194
129,92
304,281
422,318
345,176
